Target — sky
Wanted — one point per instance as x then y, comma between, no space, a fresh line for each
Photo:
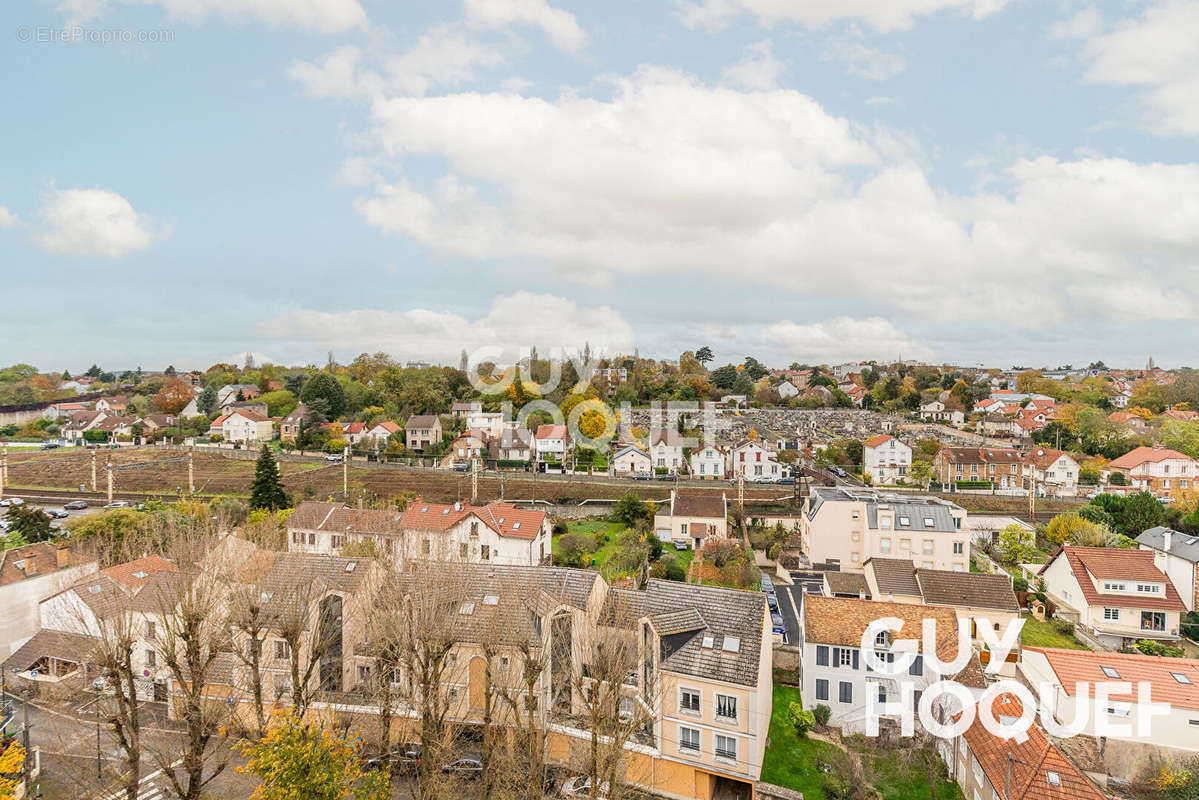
994,182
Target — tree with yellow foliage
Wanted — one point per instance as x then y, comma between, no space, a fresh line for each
12,766
303,761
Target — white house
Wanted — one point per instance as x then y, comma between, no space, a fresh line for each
551,443
28,575
1054,470
1177,555
491,423
1119,596
380,433
243,426
691,518
708,462
755,461
832,666
1157,469
886,459
630,459
666,450
936,411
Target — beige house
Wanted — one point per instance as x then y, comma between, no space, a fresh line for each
28,575
847,526
1119,596
630,459
422,431
243,426
692,517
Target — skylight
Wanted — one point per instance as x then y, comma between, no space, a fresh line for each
708,643
139,574
351,566
95,588
445,511
731,644
1178,676
491,600
501,520
1053,778
424,509
1110,672
466,609
515,525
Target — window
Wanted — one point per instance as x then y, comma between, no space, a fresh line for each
151,658
928,522
1149,588
726,747
1053,778
821,689
505,662
821,655
1119,709
338,541
1111,614
1110,672
884,523
884,545
312,539
726,706
905,522
474,530
364,673
1178,676
463,550
688,700
844,657
149,629
281,651
1113,587
856,536
426,547
855,515
845,692
959,548
688,739
731,644
926,564
905,544
485,552
1153,621
855,557
929,546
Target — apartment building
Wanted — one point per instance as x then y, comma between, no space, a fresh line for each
848,526
497,533
1177,555
1119,596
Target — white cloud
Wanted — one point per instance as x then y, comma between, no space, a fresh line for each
883,15
94,222
240,358
7,218
314,16
861,59
1157,52
560,26
841,339
766,188
759,69
521,319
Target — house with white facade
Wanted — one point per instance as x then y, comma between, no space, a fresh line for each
1177,555
692,518
755,461
1118,596
379,434
1157,469
551,444
886,459
936,411
629,459
28,575
666,450
1052,470
243,426
708,462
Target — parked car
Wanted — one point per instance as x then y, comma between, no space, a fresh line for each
405,759
334,457
778,624
469,767
767,583
786,480
461,467
75,505
642,476
118,504
11,501
54,513
580,786
50,446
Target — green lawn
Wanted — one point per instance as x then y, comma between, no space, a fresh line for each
790,761
1042,634
795,763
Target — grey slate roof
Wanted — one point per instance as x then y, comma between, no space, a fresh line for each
846,583
970,589
895,576
916,508
74,647
1181,545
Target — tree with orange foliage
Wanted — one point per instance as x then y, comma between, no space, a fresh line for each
173,396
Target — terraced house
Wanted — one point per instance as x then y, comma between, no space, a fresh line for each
1001,466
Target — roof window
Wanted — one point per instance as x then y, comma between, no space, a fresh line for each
731,644
1110,672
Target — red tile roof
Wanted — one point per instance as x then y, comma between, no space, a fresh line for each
1043,457
551,432
882,438
1145,455
1074,667
1116,564
503,518
1020,770
137,573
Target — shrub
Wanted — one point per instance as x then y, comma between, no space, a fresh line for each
822,714
1020,584
800,719
674,573
559,528
572,547
1063,626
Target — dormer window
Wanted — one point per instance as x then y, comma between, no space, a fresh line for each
928,522
905,521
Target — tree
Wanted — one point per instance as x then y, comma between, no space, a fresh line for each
173,396
12,767
324,387
1067,527
800,719
1141,511
1117,479
29,524
572,547
206,401
303,761
921,472
267,491
629,509
704,355
725,378
1017,544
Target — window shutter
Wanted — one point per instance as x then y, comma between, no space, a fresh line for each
855,659
917,667
821,655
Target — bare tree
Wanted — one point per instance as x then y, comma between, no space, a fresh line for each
251,621
113,656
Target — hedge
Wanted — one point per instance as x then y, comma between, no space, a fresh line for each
972,484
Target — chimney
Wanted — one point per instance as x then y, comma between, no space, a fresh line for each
62,555
1166,540
457,506
861,594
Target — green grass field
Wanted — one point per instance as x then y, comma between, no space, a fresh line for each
613,530
1042,634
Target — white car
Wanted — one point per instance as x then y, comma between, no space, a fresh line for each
118,504
12,501
333,457
580,787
